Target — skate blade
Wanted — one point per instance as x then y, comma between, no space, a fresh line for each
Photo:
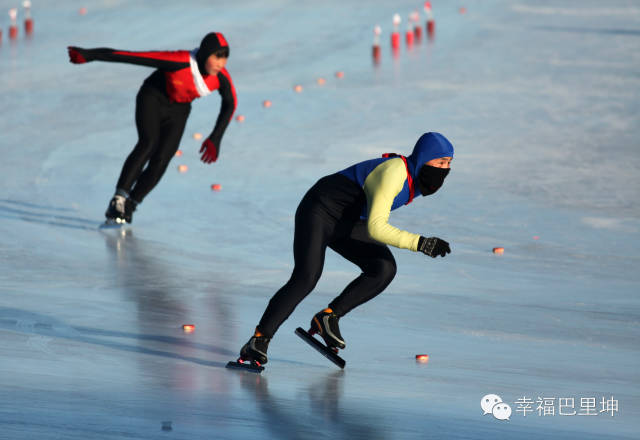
113,223
323,349
246,366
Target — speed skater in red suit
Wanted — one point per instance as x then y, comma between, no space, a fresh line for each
163,105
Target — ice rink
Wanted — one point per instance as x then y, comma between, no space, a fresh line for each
541,100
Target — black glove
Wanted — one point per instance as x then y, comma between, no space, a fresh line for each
433,246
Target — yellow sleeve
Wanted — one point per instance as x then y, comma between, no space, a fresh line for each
381,186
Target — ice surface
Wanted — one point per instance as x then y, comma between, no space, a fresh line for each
542,102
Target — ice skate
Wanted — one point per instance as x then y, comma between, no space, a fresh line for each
253,354
129,207
255,349
330,353
325,323
115,213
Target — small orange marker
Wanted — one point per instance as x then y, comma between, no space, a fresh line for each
189,328
216,187
535,237
178,153
297,88
197,136
321,81
183,168
498,250
240,118
340,74
82,11
463,10
422,358
266,103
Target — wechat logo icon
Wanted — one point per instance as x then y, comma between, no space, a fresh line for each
493,404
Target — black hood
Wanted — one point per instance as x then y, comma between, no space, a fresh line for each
209,45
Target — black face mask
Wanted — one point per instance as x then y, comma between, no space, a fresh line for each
430,179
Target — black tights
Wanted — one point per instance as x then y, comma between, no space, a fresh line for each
338,227
160,125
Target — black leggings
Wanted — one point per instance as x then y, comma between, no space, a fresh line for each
328,215
160,124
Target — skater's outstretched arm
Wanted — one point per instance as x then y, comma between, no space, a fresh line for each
211,146
164,60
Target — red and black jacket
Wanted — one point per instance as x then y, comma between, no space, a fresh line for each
177,76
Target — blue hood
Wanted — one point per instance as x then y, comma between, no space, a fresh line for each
431,145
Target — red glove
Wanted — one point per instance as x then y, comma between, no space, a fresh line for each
209,151
76,55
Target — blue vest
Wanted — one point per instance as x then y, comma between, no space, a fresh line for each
430,146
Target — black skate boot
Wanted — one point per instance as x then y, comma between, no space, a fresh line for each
129,207
256,349
325,323
116,210
253,354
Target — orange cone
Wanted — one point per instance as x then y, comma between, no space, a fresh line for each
376,44
408,36
395,35
13,29
28,21
414,18
431,24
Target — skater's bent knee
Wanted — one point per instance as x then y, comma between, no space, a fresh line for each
383,269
